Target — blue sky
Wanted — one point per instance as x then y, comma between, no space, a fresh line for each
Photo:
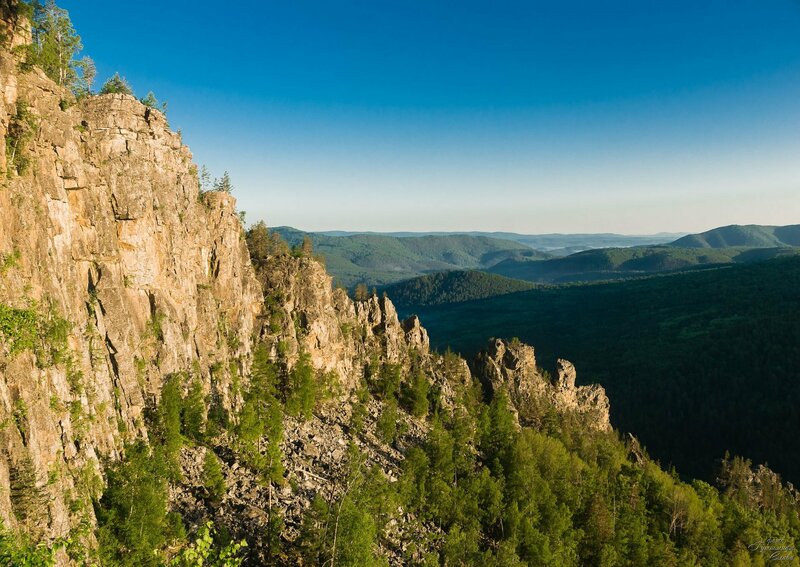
562,116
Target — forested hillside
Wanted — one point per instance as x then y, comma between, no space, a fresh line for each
622,263
451,287
178,391
695,364
376,260
750,236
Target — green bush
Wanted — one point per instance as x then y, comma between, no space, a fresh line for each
205,552
20,132
18,551
134,523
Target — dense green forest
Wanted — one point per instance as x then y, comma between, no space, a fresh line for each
621,263
452,287
477,490
695,364
376,260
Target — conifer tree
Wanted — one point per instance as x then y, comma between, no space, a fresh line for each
223,184
55,48
116,85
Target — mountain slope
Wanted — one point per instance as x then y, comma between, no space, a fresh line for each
379,260
620,263
177,391
706,351
451,287
749,236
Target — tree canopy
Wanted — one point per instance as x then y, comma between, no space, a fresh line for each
56,47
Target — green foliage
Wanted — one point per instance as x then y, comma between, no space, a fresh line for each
116,85
386,426
415,394
167,424
9,261
193,412
302,391
387,382
344,531
31,329
213,479
20,132
451,287
18,551
203,552
504,496
19,328
28,500
621,263
359,410
376,259
56,46
152,102
223,184
259,430
134,523
717,348
263,244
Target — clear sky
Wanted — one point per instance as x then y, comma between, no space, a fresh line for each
635,116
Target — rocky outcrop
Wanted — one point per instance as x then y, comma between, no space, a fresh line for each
510,367
115,273
305,313
125,274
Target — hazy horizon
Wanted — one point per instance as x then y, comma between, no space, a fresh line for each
519,117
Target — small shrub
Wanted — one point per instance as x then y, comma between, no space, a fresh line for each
20,132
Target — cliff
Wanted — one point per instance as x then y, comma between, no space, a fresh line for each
123,274
116,273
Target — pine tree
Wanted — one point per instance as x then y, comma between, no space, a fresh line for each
223,184
116,85
55,47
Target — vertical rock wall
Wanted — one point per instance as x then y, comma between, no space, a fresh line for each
126,276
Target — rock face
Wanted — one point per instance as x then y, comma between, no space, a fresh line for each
305,313
129,275
115,273
510,367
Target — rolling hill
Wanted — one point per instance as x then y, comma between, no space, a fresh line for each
377,259
555,244
451,287
750,236
621,263
713,351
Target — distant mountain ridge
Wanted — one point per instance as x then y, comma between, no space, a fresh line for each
618,263
556,243
380,260
750,236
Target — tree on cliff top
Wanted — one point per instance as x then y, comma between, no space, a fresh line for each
116,84
224,183
56,46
